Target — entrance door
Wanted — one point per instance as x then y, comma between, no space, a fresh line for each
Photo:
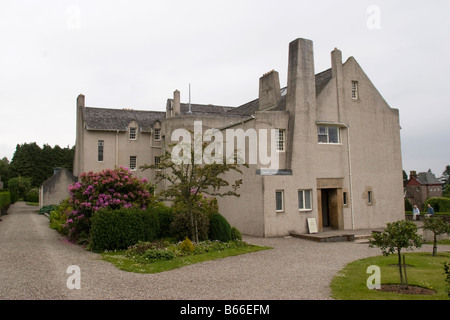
331,208
325,209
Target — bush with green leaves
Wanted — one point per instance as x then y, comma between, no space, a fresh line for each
439,204
114,189
5,201
220,229
235,234
154,255
180,226
116,229
19,187
32,195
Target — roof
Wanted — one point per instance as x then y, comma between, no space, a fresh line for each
427,178
119,119
249,108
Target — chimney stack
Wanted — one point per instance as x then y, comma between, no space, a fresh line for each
176,108
412,174
300,97
269,90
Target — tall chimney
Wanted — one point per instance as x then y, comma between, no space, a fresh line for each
300,99
269,90
337,73
176,103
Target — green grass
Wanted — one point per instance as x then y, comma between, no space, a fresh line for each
121,261
423,270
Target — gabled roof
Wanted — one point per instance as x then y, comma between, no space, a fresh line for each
119,119
204,109
427,178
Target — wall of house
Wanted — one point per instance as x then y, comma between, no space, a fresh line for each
55,189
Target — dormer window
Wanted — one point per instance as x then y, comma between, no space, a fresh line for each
133,133
157,134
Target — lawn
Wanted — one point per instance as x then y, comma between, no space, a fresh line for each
124,262
423,270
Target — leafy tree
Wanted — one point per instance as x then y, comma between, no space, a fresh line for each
396,236
30,160
19,187
438,226
188,180
5,171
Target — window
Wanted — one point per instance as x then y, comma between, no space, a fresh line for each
133,163
304,200
345,198
157,160
328,134
354,90
133,132
279,203
100,150
280,138
157,134
369,197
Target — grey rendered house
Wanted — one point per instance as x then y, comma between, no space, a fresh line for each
336,139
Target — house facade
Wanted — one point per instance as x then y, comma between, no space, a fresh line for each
421,187
335,140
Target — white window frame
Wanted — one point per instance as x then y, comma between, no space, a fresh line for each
133,163
323,131
281,192
133,133
157,133
304,192
355,93
280,140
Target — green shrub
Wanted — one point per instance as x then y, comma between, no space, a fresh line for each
235,234
408,205
220,229
165,218
47,209
186,246
19,187
439,204
32,195
120,228
154,255
5,201
180,227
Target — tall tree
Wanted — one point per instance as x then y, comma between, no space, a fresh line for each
188,180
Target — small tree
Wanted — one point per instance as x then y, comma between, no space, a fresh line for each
396,236
188,180
438,226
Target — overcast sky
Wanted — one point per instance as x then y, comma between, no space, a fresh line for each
134,54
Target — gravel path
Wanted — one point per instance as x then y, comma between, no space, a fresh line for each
34,259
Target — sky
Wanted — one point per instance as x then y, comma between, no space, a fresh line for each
134,54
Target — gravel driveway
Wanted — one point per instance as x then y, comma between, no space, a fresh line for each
34,260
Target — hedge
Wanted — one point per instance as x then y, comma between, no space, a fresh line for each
121,228
5,201
220,229
439,204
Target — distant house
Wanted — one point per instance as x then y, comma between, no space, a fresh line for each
56,188
421,187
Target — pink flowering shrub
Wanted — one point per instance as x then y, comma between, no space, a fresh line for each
112,189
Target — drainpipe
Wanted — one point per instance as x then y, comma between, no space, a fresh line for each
350,176
117,149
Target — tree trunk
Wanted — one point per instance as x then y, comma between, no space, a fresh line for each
400,265
434,244
404,267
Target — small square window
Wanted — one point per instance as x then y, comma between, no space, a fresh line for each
279,201
304,200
